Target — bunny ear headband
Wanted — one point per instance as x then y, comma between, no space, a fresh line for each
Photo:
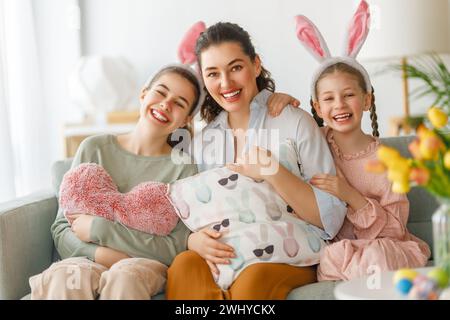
312,40
188,59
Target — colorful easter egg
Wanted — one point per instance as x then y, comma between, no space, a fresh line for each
404,286
409,274
440,276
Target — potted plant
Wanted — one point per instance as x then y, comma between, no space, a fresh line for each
434,77
429,168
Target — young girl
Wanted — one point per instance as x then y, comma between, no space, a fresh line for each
374,235
238,90
92,245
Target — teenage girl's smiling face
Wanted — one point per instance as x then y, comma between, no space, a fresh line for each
165,106
230,75
341,101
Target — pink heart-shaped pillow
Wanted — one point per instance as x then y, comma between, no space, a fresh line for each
89,189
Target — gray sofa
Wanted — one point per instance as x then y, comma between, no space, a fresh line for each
26,245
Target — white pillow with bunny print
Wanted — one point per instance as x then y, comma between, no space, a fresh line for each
253,219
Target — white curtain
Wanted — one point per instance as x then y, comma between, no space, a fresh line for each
7,188
39,42
24,134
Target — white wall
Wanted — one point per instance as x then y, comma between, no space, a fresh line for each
147,33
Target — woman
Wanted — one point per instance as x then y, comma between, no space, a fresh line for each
235,110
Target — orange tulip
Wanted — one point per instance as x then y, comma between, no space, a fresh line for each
414,148
420,175
429,147
423,131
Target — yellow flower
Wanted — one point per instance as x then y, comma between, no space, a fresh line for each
437,117
447,160
398,170
400,186
422,169
387,155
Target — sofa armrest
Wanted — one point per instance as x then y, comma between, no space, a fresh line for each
26,244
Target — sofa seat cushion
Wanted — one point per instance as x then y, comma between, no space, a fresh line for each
323,290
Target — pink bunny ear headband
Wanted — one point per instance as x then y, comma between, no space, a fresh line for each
188,60
312,40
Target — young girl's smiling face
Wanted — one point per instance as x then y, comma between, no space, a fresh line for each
166,105
341,101
230,75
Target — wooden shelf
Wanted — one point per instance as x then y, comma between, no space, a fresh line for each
118,122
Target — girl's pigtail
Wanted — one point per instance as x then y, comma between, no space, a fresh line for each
318,119
373,116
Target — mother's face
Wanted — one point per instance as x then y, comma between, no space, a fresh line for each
230,75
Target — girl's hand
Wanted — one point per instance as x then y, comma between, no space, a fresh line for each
205,243
278,101
81,226
258,164
339,187
336,185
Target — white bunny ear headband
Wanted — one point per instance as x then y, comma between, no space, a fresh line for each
188,60
312,40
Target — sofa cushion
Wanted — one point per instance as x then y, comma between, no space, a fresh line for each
422,206
323,290
25,241
59,168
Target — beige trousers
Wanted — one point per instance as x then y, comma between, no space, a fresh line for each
83,279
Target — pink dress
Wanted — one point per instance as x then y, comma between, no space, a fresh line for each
374,237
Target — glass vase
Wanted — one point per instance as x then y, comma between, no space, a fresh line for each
441,235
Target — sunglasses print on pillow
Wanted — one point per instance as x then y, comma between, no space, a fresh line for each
225,223
230,182
259,252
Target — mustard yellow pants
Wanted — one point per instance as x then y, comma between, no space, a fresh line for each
189,278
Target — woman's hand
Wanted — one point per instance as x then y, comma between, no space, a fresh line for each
258,164
81,226
278,101
205,243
